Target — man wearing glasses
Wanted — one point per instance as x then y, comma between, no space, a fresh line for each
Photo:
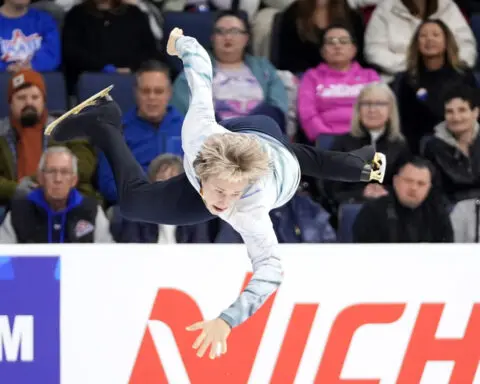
55,212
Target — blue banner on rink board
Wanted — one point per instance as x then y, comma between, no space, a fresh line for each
29,320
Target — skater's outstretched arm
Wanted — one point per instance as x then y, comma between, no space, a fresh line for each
256,229
200,120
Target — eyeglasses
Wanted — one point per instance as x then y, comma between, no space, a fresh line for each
230,31
374,104
63,172
338,40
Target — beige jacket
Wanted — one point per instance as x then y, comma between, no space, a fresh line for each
392,26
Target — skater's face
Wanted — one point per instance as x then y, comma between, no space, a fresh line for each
57,176
230,39
27,105
412,185
338,48
460,116
431,40
219,195
374,109
153,93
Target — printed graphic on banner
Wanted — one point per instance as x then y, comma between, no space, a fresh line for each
29,320
176,309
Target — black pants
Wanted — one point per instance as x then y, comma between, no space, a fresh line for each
175,201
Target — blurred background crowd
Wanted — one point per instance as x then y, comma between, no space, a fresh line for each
337,74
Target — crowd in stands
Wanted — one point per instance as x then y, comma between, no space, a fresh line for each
338,74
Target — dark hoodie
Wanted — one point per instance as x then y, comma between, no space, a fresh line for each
459,175
35,222
420,103
386,220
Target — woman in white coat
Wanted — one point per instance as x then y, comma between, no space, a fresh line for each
394,22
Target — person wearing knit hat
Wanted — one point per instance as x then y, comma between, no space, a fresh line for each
22,139
28,116
24,79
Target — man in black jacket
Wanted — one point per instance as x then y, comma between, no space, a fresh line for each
412,214
55,212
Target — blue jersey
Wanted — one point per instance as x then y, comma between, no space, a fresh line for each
250,215
33,37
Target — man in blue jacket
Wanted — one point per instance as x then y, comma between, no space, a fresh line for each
151,128
29,38
55,212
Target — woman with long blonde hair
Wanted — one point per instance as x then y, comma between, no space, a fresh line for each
238,171
375,122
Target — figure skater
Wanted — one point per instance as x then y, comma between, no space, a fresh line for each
238,170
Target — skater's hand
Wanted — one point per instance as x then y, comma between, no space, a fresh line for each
214,334
124,71
374,190
174,36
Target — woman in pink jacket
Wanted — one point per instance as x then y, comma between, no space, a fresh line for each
327,93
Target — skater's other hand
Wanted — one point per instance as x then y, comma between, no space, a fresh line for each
214,335
174,36
124,70
374,190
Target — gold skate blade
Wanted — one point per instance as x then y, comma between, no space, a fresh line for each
380,161
90,101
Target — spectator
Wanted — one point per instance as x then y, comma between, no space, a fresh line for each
29,38
243,84
327,93
412,214
162,168
55,212
433,65
106,35
375,122
162,5
150,128
465,217
302,27
249,6
22,141
393,24
153,10
455,147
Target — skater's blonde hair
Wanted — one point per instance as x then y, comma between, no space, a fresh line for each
233,157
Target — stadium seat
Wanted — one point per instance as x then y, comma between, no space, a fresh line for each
347,214
423,143
57,100
122,92
325,141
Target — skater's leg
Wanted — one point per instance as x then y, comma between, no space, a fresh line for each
332,165
173,201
